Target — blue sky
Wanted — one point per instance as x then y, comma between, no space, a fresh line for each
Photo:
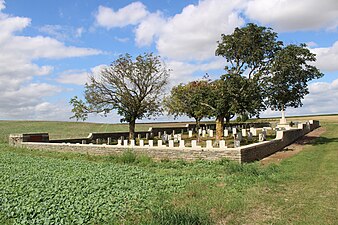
48,48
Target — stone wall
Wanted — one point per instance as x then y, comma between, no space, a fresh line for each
242,154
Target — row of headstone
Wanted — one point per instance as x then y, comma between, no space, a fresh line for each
160,144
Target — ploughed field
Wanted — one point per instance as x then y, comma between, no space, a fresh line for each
63,188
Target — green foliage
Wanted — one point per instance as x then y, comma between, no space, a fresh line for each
134,88
291,72
188,99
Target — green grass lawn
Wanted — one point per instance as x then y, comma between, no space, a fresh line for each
40,187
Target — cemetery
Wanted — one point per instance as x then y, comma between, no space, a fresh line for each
241,143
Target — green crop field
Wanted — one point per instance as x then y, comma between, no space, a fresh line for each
39,187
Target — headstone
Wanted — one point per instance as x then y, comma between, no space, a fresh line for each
164,138
211,133
200,131
222,144
175,138
190,133
147,136
132,143
194,144
182,145
151,143
226,133
249,136
209,144
173,132
234,131
171,143
109,141
141,143
237,143
253,131
203,133
261,137
119,142
244,134
97,141
159,143
84,142
239,136
159,134
125,143
179,137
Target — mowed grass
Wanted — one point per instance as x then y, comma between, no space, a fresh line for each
45,187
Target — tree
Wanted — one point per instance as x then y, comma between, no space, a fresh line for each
132,87
290,73
249,52
186,99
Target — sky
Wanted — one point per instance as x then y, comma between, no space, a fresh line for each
48,48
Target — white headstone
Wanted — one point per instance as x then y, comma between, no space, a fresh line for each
200,131
151,143
171,143
119,142
182,145
203,133
159,143
260,137
193,143
132,143
141,143
209,144
190,133
125,143
211,133
175,138
253,131
234,131
222,144
244,134
226,133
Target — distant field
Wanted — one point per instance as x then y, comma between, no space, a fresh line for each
58,130
40,187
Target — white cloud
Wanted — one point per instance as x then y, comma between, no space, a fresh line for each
193,33
150,27
20,96
2,4
290,15
62,33
128,15
323,99
78,77
327,58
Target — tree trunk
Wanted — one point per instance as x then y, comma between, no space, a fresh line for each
197,129
219,127
131,130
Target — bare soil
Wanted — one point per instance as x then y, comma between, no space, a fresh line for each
294,148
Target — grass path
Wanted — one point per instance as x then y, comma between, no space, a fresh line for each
308,191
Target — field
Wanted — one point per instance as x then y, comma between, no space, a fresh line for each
62,188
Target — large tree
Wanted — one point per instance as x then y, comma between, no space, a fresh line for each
132,87
290,74
187,99
249,52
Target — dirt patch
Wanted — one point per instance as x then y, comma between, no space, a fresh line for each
294,148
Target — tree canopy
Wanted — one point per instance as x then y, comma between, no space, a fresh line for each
187,99
132,87
290,74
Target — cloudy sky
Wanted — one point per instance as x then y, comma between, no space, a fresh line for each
47,48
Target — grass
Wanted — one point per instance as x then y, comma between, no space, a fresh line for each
299,190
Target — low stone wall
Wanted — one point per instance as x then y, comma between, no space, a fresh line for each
246,153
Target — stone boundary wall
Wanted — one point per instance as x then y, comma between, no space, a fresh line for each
242,154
